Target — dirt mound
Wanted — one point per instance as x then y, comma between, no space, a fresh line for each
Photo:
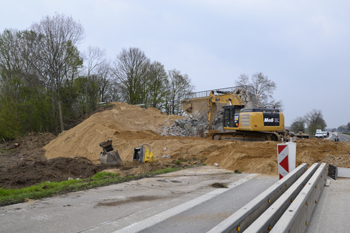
59,169
123,119
131,126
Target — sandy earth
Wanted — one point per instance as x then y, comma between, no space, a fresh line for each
75,153
130,126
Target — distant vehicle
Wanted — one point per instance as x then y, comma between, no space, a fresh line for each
319,135
336,139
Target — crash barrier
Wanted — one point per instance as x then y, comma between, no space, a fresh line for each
241,219
298,215
268,219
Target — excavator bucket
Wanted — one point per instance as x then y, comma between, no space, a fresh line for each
109,155
142,155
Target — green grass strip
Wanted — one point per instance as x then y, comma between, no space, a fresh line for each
49,189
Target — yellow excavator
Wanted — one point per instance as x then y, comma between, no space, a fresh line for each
239,121
248,124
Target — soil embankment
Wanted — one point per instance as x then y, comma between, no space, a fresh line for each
75,153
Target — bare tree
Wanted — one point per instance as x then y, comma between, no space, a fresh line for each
55,39
95,62
104,75
315,121
179,85
157,83
131,70
262,87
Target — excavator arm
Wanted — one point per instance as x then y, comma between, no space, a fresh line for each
224,97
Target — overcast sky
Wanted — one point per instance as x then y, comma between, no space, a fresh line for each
304,46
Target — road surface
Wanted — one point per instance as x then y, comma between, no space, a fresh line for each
182,201
342,137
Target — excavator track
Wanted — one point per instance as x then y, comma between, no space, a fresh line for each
247,135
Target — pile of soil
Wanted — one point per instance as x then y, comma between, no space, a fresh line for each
131,126
75,153
59,169
123,119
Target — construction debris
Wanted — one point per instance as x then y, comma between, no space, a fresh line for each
197,126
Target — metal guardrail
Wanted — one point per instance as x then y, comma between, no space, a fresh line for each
299,213
241,219
268,219
207,93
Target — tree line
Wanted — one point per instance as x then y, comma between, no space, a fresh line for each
48,85
310,122
343,128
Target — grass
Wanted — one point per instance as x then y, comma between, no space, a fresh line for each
49,189
5,151
177,162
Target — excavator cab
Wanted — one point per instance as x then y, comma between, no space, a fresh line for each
231,115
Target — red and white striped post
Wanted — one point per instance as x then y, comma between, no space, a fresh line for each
286,157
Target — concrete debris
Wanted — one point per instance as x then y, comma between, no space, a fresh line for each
197,126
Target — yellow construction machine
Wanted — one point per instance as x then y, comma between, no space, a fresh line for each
240,122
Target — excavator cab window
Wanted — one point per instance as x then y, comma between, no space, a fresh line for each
231,115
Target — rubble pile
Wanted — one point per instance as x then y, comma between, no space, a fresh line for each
195,126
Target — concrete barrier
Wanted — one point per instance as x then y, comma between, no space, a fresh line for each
298,215
268,219
241,219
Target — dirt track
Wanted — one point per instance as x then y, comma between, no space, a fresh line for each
130,126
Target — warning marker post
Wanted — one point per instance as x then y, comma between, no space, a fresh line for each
286,157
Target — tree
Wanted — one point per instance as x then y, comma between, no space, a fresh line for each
298,125
315,121
342,128
95,67
179,85
23,99
157,84
105,81
53,52
131,67
262,87
348,126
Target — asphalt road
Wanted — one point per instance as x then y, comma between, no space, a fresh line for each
342,137
183,201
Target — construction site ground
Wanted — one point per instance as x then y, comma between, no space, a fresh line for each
75,152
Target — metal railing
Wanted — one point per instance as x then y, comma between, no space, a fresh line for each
207,93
